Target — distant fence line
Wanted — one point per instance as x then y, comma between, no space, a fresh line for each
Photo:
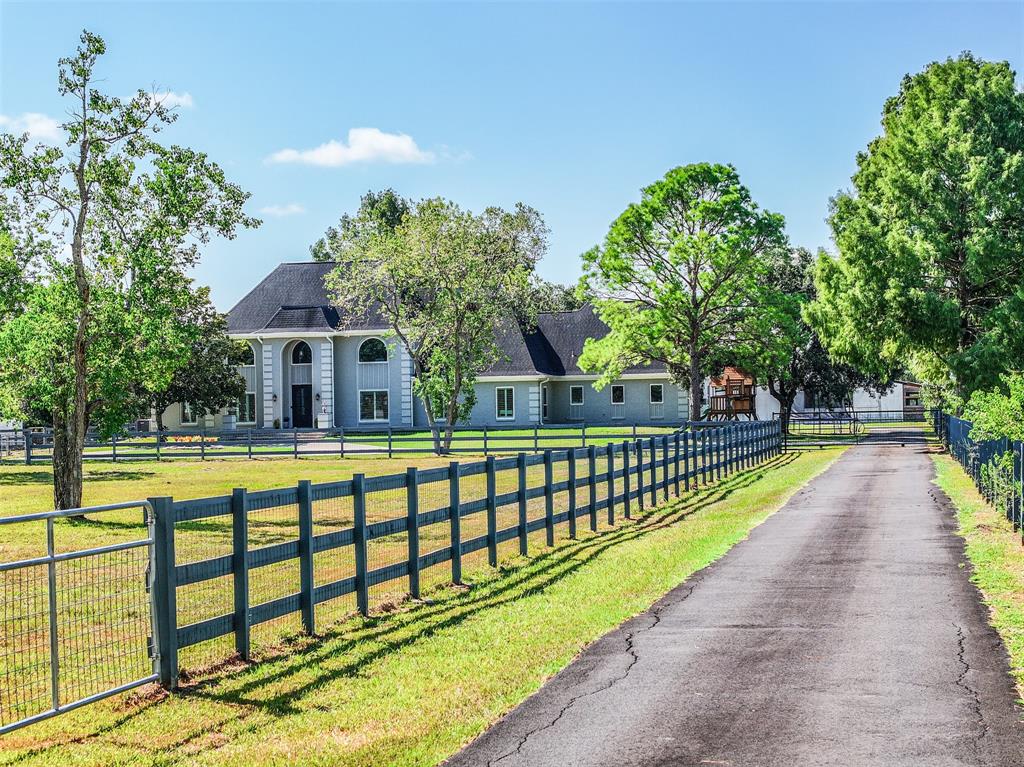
995,465
88,617
36,445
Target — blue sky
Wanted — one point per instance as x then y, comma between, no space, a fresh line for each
569,107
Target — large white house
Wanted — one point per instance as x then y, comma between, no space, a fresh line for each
309,368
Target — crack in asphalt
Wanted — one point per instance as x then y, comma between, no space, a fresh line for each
634,659
961,682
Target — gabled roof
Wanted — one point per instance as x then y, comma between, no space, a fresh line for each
293,298
293,293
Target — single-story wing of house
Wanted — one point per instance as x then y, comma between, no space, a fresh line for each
312,368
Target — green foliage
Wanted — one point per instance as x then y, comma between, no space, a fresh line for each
379,214
104,230
446,281
552,297
789,356
210,380
679,276
998,413
930,241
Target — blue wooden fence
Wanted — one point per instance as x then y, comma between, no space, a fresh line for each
354,536
995,465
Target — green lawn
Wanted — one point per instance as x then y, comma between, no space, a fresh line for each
996,556
411,686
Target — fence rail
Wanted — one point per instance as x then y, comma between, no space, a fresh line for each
219,570
36,446
995,465
376,539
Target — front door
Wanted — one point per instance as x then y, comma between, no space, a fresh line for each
302,406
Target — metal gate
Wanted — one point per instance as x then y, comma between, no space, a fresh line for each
76,609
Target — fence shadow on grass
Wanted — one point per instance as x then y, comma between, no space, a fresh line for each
388,633
520,579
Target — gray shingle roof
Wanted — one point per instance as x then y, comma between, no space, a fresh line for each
291,287
293,298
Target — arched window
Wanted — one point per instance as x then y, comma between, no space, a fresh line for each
373,350
246,354
301,355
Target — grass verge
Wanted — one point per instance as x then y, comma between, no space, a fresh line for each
410,687
996,556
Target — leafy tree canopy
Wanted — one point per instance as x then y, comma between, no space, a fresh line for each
210,380
104,229
790,356
930,239
379,214
446,281
679,275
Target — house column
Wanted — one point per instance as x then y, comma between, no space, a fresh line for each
325,414
268,384
535,403
405,360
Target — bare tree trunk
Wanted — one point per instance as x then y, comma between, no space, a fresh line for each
68,443
696,384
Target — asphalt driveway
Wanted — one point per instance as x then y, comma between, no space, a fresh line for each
844,631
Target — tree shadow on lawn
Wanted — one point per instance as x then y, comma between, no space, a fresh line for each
403,628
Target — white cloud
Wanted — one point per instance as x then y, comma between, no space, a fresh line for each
364,145
39,126
170,99
279,211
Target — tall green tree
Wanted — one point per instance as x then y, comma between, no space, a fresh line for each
209,380
445,281
679,275
930,238
123,217
789,357
379,214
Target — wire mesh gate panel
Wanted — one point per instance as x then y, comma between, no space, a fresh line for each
77,621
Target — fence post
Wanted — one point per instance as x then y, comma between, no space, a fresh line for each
391,447
27,437
521,470
703,437
412,505
158,445
341,439
536,445
654,471
295,443
676,462
306,555
248,440
359,540
240,568
610,453
592,485
549,504
492,514
686,460
572,492
625,479
165,592
202,445
718,451
664,467
639,445
485,440
456,521
113,448
583,432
